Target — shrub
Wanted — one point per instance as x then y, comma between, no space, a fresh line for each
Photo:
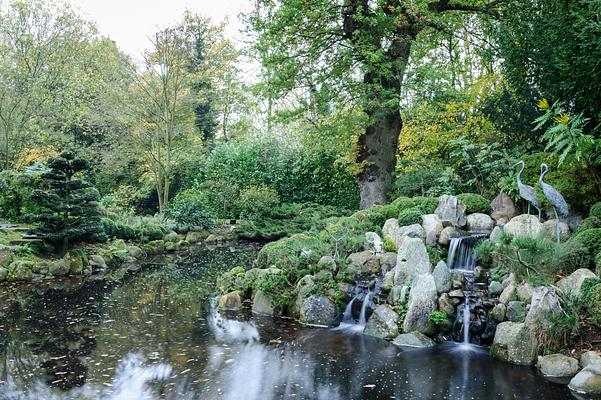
580,250
294,253
438,317
257,201
475,203
389,246
410,216
231,280
589,223
591,299
434,254
189,208
484,251
595,210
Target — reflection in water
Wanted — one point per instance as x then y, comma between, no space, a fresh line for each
152,338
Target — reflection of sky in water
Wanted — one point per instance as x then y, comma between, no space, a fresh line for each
143,341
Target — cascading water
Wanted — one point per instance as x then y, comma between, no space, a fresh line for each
349,323
461,252
466,322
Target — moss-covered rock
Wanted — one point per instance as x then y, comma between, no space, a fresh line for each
59,267
20,270
595,210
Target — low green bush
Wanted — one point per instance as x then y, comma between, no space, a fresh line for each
257,202
438,317
580,250
294,253
589,223
410,216
484,251
595,210
189,208
475,203
591,299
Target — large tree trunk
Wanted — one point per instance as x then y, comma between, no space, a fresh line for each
378,146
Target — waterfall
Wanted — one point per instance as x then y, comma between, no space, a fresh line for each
461,252
350,324
466,322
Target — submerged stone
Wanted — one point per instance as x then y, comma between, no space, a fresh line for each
413,339
515,342
319,311
383,323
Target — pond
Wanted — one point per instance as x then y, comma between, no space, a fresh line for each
152,337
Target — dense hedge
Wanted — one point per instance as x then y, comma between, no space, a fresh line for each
299,175
475,203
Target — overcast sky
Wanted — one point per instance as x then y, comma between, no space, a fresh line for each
130,22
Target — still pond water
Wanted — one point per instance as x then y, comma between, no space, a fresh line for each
151,337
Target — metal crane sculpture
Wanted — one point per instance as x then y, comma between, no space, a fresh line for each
555,198
527,192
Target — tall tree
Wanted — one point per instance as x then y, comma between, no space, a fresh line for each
357,48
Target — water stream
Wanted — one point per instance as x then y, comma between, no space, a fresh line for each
461,252
154,337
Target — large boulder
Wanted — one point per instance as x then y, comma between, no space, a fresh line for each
549,230
508,294
319,311
398,294
412,260
557,366
587,383
449,233
432,227
498,312
451,211
373,242
442,277
423,300
480,223
413,339
516,311
571,285
304,286
264,305
524,293
3,274
230,301
515,342
21,270
545,304
524,226
502,207
495,288
495,235
446,305
59,267
391,231
383,323
362,264
327,263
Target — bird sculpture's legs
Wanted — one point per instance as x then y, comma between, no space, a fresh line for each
528,208
557,224
539,212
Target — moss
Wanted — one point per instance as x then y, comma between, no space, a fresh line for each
410,216
389,246
7,236
591,299
293,253
231,281
475,203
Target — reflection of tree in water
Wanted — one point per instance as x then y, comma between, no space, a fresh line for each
53,328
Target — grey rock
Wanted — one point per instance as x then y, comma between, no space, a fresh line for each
442,277
549,230
495,235
589,358
508,294
502,207
327,262
5,254
413,339
230,301
451,211
515,342
449,233
545,303
495,288
571,285
480,223
135,252
388,281
432,227
557,366
97,263
383,323
423,300
319,311
587,383
59,267
264,305
457,293
398,294
445,305
412,260
516,311
524,293
373,242
412,231
524,226
3,274
480,275
498,312
304,286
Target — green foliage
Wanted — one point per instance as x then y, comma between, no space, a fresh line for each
434,253
484,251
138,229
285,220
293,253
389,246
559,334
16,203
579,251
475,203
410,216
231,281
595,211
588,223
69,211
297,174
590,300
256,202
438,317
189,208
